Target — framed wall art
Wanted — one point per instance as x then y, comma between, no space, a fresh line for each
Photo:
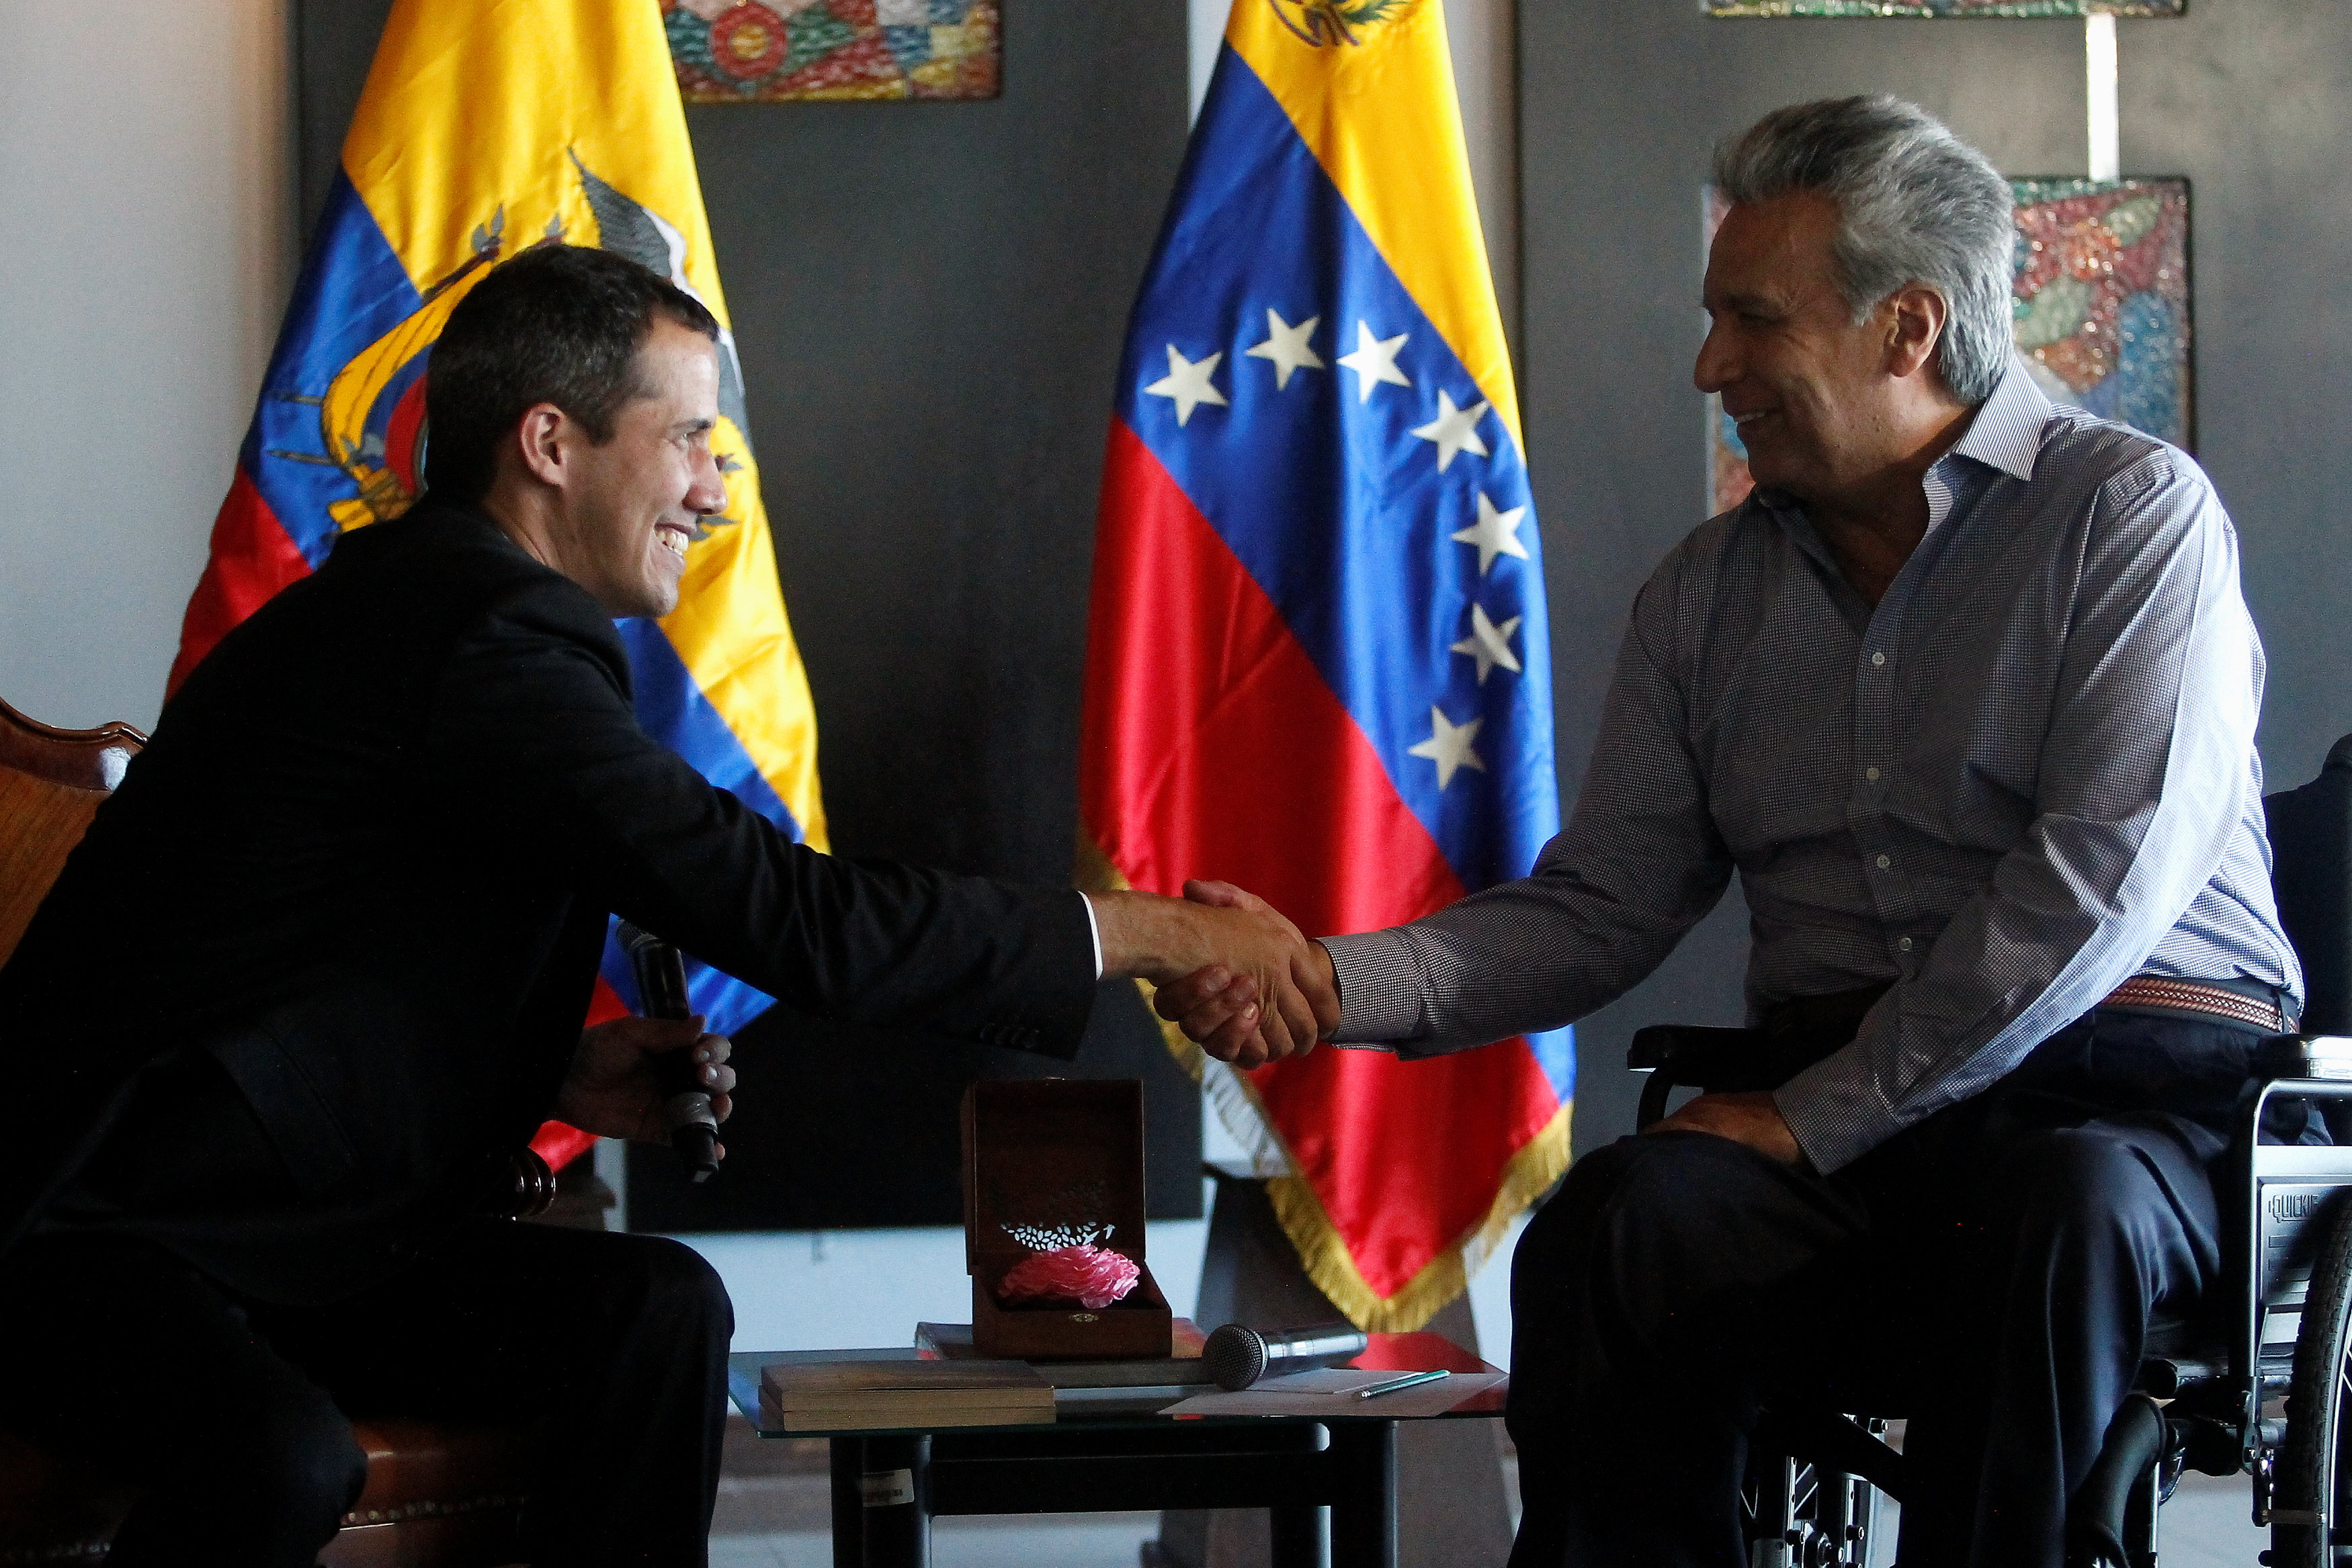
785,51
1943,7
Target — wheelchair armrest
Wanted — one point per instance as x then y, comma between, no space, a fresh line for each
1680,1046
2293,1056
1714,1059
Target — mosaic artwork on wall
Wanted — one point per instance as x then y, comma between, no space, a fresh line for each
2100,303
781,51
1944,8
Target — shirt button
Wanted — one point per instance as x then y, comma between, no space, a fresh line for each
1878,658
1871,774
1884,862
1904,943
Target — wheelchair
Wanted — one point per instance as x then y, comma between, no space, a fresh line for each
2259,1386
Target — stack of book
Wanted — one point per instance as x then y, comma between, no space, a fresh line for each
887,1395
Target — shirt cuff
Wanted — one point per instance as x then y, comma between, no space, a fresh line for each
1835,1111
1380,987
1094,929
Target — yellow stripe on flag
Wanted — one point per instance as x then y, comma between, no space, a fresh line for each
481,126
1379,111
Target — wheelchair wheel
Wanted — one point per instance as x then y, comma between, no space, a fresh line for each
2314,1462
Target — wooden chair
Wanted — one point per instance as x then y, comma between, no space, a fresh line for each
439,1494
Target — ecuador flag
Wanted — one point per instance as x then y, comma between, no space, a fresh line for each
1319,664
486,127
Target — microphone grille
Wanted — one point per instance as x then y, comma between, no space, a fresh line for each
1235,1357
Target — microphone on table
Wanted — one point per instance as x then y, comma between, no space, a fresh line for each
686,1103
1236,1357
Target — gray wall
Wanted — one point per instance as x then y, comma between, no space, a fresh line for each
929,301
1622,102
145,253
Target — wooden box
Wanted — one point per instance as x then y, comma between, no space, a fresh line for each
1048,1163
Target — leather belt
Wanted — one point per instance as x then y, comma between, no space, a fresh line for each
2189,997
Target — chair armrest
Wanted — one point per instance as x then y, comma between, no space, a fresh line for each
1704,1057
2298,1056
1717,1061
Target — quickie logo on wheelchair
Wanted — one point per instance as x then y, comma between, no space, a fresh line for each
2291,1206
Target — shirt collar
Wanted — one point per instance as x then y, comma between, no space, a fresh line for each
2007,430
2005,434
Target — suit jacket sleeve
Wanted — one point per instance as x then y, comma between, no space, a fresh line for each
536,760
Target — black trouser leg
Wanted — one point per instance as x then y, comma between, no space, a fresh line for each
114,1349
1639,1296
1989,1272
618,1342
2085,1232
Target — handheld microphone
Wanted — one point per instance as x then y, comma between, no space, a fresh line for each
661,991
1236,1357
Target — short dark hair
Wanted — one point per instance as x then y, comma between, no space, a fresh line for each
559,324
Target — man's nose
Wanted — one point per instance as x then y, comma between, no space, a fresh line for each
708,495
1716,365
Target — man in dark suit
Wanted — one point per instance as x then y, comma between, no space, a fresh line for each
320,968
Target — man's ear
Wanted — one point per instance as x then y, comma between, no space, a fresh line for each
541,439
1914,326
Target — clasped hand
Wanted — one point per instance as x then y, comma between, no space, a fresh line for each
1232,972
613,1090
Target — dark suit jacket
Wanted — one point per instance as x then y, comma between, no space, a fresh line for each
365,866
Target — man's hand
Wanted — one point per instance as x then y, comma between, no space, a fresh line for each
1749,1117
1286,1002
1217,1006
612,1090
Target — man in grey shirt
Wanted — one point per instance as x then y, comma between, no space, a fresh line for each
1966,694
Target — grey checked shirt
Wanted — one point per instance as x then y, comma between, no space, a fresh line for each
2028,775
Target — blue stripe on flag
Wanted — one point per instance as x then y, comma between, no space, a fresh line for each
673,710
352,291
1335,506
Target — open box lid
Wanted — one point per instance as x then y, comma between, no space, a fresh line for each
1051,1162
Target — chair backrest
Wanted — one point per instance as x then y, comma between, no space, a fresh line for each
2311,873
51,782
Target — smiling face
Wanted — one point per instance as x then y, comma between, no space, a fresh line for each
626,508
1813,391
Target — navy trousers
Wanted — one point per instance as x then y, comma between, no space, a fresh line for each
1991,1274
233,1413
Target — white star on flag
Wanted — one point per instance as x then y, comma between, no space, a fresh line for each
1455,430
1187,382
1448,746
1285,345
1488,643
1374,361
1495,533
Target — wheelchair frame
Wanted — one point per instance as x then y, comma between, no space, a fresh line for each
1811,1493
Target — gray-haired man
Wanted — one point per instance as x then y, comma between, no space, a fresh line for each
1966,694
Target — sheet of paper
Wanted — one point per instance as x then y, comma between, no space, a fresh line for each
1324,1380
1329,1395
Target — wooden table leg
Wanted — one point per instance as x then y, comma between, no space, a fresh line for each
1364,1519
895,1489
848,1503
1301,1536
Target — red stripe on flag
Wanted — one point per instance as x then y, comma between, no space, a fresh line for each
252,558
1216,750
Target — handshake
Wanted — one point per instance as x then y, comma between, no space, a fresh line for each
1230,971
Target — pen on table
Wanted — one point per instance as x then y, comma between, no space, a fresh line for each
1408,1380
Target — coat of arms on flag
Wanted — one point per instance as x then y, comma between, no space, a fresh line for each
1318,664
483,130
